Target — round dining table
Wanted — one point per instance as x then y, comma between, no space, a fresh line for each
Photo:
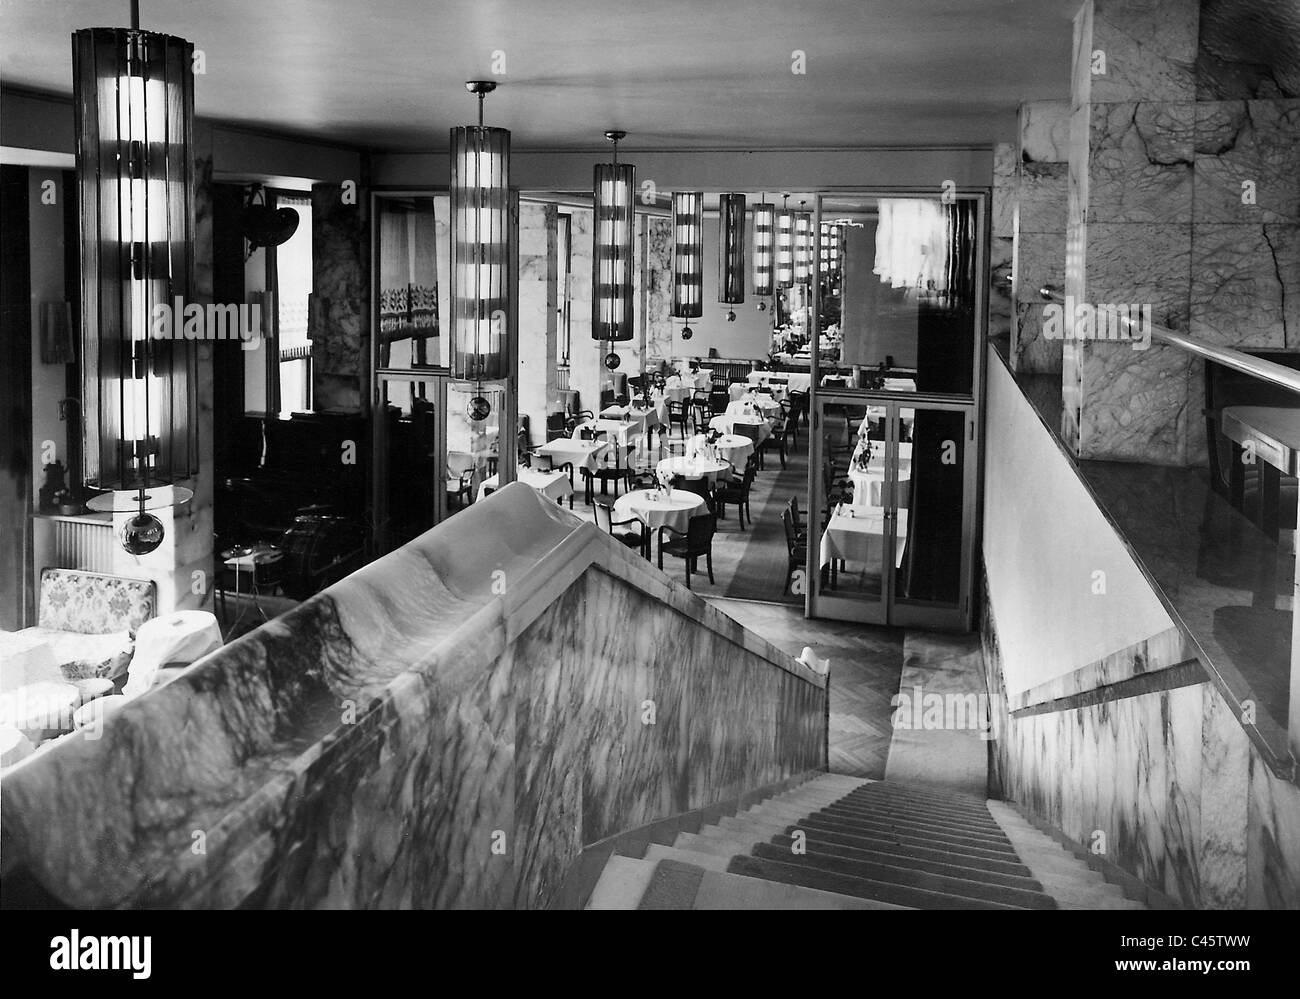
657,510
695,468
734,448
755,427
583,454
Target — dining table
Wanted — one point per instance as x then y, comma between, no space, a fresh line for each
614,430
553,484
644,419
656,509
857,534
754,427
704,468
754,403
735,448
581,453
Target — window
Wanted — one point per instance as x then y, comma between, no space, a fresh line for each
291,272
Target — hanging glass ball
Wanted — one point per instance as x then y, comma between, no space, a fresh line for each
687,333
612,360
762,306
142,534
731,315
478,409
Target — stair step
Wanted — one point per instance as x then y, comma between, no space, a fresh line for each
905,838
811,877
622,883
871,870
950,867
735,891
968,830
868,799
889,847
1064,876
934,837
708,861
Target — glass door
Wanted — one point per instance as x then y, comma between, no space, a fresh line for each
890,529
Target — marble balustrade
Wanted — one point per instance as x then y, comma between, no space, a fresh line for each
447,727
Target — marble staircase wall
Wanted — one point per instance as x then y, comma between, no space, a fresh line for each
1164,784
446,728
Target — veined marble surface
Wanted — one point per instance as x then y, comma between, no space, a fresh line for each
340,329
1044,131
1150,48
445,728
1166,783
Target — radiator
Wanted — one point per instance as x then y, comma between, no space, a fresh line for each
83,544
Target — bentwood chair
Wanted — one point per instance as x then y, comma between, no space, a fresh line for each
737,493
678,416
697,540
632,532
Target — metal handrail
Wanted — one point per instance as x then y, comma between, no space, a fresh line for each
1257,367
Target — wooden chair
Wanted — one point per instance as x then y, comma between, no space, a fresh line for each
632,532
701,488
700,411
696,541
797,550
737,493
789,420
460,489
608,470
678,415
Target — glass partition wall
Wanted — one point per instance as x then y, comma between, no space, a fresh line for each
895,375
435,450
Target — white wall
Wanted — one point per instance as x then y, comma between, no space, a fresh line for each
1044,541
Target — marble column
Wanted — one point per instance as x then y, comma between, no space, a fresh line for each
586,356
1042,166
659,289
538,325
1002,243
340,301
1185,196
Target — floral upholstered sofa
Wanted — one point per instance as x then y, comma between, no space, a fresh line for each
88,621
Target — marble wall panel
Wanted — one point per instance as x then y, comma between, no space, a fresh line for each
659,288
1248,49
1254,141
1044,131
1140,157
1246,285
1150,49
339,325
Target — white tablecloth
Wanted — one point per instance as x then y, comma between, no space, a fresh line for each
791,381
678,389
553,485
642,419
860,538
582,453
614,430
695,468
178,639
750,405
656,513
727,424
735,448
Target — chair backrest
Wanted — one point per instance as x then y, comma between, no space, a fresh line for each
700,530
604,516
794,507
787,519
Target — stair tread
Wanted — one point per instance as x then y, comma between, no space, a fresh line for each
736,891
622,883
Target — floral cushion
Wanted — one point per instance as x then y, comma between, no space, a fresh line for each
93,603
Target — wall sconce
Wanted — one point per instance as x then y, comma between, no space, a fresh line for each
764,244
784,245
731,251
134,119
688,257
480,250
611,264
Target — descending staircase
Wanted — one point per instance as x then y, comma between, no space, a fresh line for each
844,843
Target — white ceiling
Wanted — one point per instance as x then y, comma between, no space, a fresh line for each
675,74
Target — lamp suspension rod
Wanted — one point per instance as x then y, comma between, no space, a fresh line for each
135,14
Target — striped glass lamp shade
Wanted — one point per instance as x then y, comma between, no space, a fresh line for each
480,251
688,254
611,266
803,247
764,247
785,249
731,249
133,97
